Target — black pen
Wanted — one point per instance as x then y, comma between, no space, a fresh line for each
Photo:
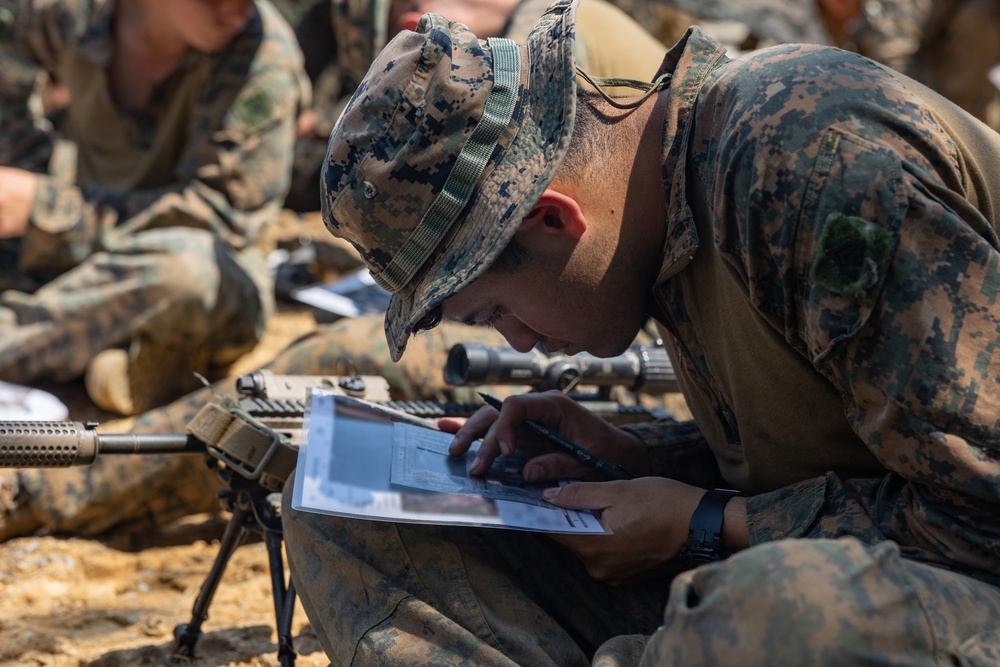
571,448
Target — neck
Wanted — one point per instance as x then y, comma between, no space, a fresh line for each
644,210
145,36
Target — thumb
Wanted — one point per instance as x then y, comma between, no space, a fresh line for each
580,495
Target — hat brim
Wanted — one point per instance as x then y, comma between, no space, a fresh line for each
547,106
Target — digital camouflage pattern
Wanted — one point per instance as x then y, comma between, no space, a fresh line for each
62,498
205,168
845,304
948,45
373,147
844,219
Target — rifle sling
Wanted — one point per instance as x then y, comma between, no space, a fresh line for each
242,442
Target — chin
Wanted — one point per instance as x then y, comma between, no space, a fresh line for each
614,346
605,349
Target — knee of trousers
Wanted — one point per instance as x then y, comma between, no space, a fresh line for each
793,602
192,283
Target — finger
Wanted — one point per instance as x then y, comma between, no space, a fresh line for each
550,408
582,495
451,424
554,466
488,451
473,429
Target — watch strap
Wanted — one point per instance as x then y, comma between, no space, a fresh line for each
704,543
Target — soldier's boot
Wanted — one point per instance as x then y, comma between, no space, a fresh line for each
16,517
147,375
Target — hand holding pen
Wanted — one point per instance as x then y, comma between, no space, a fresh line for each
564,444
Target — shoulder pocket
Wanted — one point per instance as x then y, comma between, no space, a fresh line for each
853,208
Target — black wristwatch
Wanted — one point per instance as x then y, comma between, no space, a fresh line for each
704,543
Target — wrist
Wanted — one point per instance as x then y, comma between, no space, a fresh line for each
705,540
735,536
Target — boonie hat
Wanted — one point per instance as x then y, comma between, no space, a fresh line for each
444,148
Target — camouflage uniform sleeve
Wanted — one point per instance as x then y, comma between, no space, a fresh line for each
678,450
232,175
887,280
31,33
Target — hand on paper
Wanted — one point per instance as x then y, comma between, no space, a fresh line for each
500,435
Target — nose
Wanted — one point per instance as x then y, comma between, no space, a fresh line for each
520,336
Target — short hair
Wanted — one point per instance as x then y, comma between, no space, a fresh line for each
592,136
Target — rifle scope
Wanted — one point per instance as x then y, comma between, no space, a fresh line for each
643,368
41,444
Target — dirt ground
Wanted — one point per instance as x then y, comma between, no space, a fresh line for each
115,602
87,603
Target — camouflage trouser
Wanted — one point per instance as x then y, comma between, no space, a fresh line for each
397,594
176,287
380,593
145,491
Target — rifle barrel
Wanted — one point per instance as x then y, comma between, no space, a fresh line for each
41,444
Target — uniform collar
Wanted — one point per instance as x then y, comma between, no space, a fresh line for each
97,43
690,61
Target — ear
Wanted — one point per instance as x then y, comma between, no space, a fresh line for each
554,217
409,20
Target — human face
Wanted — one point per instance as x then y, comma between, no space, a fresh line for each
207,25
558,307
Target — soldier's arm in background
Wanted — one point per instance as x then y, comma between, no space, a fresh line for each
232,173
25,53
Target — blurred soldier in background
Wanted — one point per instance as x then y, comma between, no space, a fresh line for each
146,491
948,45
137,264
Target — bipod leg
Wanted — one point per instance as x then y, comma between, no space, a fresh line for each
186,636
284,598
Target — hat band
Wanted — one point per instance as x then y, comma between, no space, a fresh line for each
469,166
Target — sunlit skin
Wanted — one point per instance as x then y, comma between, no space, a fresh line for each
841,11
486,18
594,247
152,38
559,299
180,25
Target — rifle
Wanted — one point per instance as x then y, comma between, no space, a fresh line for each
251,443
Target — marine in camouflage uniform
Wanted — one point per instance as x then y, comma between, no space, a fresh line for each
153,242
828,281
132,494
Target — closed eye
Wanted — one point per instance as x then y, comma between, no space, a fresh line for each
493,318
